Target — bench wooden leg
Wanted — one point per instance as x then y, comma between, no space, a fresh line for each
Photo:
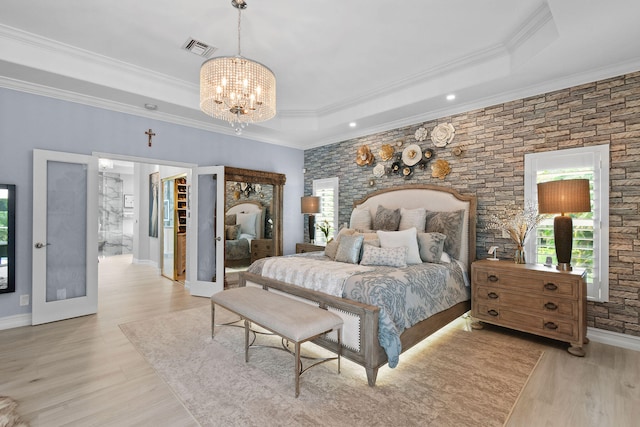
339,347
297,345
213,317
246,340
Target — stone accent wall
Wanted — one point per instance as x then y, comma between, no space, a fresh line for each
494,141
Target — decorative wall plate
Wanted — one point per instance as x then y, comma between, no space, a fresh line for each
442,134
411,155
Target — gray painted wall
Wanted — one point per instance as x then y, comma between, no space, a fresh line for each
30,121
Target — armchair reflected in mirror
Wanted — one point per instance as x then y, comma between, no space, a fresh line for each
7,238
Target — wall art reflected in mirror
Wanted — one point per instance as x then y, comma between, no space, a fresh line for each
7,238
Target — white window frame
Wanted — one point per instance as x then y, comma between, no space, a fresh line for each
596,157
330,184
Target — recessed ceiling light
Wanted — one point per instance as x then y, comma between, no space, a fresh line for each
352,124
451,97
151,107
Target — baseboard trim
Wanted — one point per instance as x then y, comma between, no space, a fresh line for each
16,321
614,338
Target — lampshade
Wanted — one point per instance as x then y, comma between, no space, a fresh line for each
570,195
237,89
566,196
310,205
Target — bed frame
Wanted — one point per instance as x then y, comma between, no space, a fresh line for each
360,333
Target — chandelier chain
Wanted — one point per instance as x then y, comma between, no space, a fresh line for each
239,20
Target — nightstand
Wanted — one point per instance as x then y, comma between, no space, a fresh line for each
531,298
308,247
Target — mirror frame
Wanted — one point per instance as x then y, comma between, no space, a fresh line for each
261,177
11,238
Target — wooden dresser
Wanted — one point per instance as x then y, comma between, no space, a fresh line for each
261,248
531,298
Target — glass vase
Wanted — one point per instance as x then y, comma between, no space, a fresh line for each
519,256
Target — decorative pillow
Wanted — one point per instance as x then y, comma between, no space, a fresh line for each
407,238
392,257
369,242
331,249
230,219
349,249
413,218
247,223
431,246
360,218
232,232
449,224
386,219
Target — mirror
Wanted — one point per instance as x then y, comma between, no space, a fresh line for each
253,220
7,238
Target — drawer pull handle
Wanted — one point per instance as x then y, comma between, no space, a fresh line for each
493,278
550,306
492,312
550,286
492,295
551,325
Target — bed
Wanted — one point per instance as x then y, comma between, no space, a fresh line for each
244,222
369,320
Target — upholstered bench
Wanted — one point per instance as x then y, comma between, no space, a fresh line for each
294,321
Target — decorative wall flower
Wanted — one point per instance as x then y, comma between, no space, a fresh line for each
379,170
440,169
421,134
411,155
442,134
386,152
364,156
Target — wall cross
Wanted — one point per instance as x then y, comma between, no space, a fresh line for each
151,135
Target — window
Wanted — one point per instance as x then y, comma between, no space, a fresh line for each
327,190
590,229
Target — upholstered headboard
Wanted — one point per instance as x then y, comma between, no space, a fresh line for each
432,198
251,207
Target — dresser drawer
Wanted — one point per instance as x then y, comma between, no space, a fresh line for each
548,326
537,303
534,283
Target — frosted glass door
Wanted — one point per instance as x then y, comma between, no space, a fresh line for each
205,265
65,231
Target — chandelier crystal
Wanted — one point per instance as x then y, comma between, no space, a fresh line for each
237,89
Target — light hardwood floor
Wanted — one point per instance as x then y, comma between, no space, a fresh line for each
85,372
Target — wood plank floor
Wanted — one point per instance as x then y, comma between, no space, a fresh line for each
84,372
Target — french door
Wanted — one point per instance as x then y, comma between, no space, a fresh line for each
205,231
65,236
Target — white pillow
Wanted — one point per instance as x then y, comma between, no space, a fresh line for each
247,223
407,238
413,218
360,218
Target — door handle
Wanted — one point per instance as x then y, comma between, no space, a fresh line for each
40,245
218,238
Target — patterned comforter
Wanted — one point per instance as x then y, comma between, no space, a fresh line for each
405,296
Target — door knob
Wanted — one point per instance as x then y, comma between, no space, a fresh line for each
218,238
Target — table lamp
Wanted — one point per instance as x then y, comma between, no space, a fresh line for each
310,205
565,196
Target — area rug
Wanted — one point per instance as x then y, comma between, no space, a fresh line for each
455,377
9,414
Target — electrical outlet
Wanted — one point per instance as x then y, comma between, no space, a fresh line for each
24,299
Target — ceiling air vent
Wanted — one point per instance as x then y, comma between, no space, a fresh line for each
199,48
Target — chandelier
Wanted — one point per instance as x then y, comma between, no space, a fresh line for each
237,89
